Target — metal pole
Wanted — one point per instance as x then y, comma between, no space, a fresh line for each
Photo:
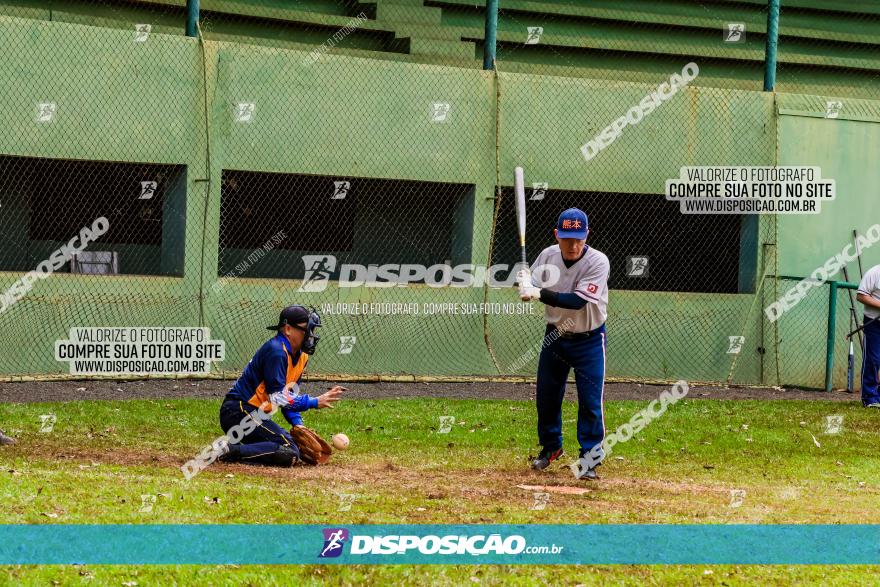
832,324
772,42
192,18
854,316
491,34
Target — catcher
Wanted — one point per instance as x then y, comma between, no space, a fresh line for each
271,381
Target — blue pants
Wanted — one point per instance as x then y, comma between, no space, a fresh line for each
260,445
586,356
870,362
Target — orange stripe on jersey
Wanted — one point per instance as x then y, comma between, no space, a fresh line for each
261,398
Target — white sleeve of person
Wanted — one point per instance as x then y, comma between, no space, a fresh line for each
870,286
587,278
592,285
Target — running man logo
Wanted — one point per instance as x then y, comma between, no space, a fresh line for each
446,423
47,422
833,424
245,111
833,108
735,32
340,189
142,32
334,540
148,190
440,111
736,497
534,36
735,344
541,501
319,268
346,500
46,111
147,503
637,266
539,190
346,344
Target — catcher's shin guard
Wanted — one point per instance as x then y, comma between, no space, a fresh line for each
229,453
285,456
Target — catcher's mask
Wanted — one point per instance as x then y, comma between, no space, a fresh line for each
293,316
312,338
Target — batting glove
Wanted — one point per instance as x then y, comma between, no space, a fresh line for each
524,277
529,292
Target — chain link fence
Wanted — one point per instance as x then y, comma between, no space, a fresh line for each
804,336
316,153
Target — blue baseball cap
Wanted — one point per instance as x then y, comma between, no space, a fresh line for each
572,224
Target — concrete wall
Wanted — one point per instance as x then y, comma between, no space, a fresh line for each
171,100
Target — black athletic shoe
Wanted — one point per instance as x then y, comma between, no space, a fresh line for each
545,457
582,471
283,457
229,453
588,474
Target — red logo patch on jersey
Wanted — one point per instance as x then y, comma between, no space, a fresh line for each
592,288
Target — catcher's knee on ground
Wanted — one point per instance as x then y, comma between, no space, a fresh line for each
263,453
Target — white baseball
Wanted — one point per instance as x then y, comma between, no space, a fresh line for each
340,441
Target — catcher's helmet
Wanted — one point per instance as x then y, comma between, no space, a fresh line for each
294,316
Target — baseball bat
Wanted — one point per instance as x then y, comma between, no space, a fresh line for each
520,188
853,315
849,367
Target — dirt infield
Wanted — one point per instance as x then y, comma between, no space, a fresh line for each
35,391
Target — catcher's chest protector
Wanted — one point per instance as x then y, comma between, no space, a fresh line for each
294,371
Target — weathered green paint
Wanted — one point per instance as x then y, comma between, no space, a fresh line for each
348,117
847,149
580,39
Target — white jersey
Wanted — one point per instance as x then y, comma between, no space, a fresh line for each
588,278
870,286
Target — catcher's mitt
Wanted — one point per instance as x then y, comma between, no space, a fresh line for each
313,450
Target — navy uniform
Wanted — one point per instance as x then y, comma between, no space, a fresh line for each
271,380
870,286
575,294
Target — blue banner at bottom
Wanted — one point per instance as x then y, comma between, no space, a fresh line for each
440,544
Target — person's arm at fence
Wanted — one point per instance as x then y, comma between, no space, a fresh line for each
868,300
866,287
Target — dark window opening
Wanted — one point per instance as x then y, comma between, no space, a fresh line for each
684,252
46,202
354,220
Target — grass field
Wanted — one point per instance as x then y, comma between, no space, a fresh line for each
704,461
